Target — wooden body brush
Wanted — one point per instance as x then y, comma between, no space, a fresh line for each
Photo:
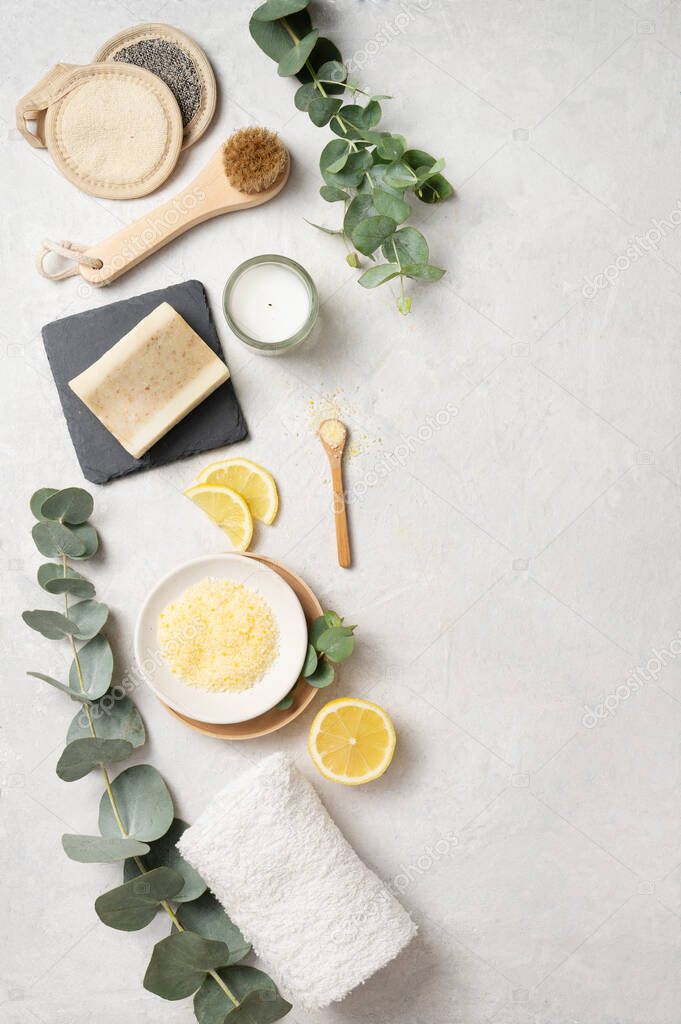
251,168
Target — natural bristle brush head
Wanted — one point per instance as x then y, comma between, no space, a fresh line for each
253,159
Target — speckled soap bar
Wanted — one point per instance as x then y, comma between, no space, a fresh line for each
75,342
156,374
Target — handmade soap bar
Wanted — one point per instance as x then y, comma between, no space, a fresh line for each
157,373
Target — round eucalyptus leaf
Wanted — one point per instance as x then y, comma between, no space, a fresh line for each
96,666
372,232
180,963
423,272
332,194
143,801
435,189
258,996
391,206
52,625
336,643
81,697
164,853
377,175
310,663
113,719
372,114
87,535
406,246
391,147
273,9
399,175
272,37
332,151
352,171
134,905
101,850
206,917
285,703
362,206
56,539
72,505
338,164
322,676
375,276
294,59
54,580
88,618
322,109
417,158
38,498
332,71
353,114
81,756
429,170
304,95
317,627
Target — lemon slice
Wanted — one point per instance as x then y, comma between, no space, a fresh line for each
228,509
351,741
255,485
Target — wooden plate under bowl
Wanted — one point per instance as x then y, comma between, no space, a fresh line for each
303,693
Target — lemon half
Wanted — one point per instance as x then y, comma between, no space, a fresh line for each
351,741
255,485
228,509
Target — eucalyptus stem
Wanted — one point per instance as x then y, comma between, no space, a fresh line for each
318,85
367,168
112,800
62,525
114,806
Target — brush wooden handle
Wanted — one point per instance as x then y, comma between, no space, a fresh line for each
340,514
209,195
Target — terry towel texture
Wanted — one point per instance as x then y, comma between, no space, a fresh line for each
313,911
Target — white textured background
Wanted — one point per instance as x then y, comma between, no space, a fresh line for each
513,566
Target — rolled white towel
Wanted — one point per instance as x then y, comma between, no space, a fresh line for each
320,919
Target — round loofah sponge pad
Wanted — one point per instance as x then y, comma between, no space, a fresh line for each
116,130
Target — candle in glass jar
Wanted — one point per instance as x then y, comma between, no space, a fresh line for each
270,303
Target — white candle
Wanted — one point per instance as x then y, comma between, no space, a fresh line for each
270,301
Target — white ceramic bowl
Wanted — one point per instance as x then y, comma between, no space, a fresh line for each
228,707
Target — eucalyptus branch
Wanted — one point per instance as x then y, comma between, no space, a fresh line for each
368,170
137,822
330,642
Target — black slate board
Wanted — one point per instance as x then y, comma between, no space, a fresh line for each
74,343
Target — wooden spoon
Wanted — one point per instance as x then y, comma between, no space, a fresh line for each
333,434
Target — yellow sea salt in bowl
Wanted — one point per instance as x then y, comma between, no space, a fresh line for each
221,639
218,635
